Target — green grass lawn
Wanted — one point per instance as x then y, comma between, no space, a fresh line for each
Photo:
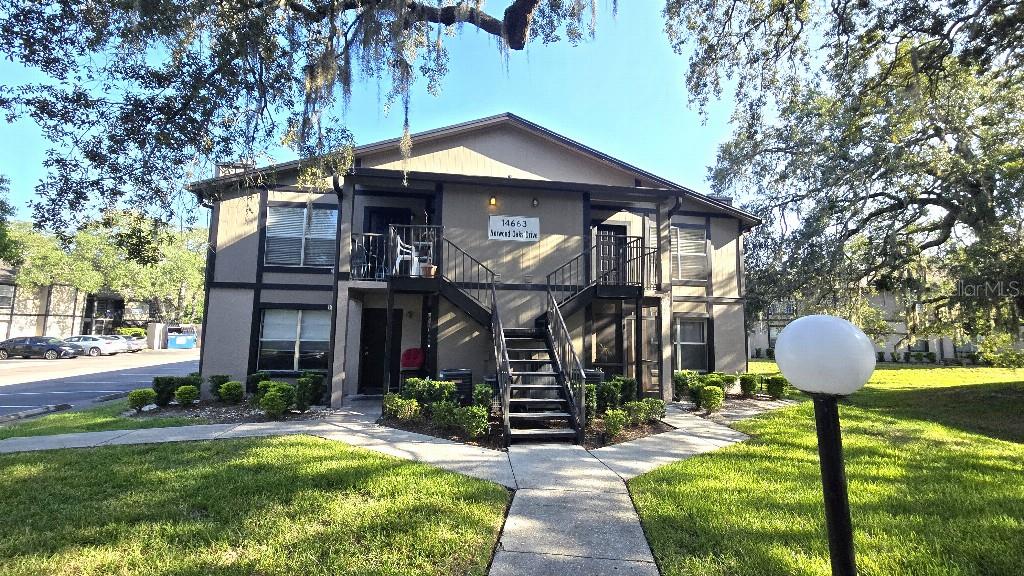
935,461
290,506
104,417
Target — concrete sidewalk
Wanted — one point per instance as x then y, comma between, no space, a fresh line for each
571,513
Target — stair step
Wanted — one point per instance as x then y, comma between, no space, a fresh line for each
529,401
566,433
528,350
540,415
536,386
534,373
531,360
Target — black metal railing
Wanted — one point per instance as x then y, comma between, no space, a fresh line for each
369,256
467,273
568,365
611,261
413,249
502,365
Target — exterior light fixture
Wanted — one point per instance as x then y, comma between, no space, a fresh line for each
493,201
536,202
828,357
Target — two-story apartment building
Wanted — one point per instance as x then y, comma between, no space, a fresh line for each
499,246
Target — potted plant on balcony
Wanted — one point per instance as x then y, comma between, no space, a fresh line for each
428,270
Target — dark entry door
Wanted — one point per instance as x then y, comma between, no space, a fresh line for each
610,240
372,339
376,221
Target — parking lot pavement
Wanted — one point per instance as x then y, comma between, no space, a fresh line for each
26,384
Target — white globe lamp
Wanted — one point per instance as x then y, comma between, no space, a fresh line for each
828,357
825,355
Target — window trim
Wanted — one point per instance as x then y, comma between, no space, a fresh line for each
307,209
678,317
674,254
12,296
299,310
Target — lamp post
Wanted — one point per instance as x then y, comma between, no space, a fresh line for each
828,357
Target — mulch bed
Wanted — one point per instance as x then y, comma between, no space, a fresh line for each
492,440
209,412
595,437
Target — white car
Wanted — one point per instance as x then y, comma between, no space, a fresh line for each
133,344
96,345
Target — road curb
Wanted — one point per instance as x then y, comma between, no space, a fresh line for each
34,412
113,396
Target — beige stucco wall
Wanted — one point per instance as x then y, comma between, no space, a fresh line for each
465,218
723,249
730,338
504,152
237,238
462,343
226,341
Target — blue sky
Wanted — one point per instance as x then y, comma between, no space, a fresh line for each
622,93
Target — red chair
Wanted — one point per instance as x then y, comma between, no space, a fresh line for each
413,359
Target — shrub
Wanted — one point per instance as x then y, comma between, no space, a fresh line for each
133,332
274,403
253,380
930,356
472,420
262,387
748,384
483,394
776,386
636,412
141,397
712,398
614,421
164,387
681,381
655,409
769,353
426,391
695,393
757,352
627,389
918,356
609,393
402,409
186,395
894,357
286,390
443,414
316,386
728,381
715,380
881,356
906,356
590,402
216,381
231,392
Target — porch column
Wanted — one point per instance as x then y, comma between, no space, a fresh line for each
340,347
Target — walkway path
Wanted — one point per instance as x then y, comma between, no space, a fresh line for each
571,513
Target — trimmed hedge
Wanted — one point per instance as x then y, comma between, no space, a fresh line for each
681,382
231,392
427,391
216,381
655,409
140,398
166,386
776,385
614,421
609,394
748,384
402,409
483,395
472,421
590,402
636,412
186,395
442,414
712,398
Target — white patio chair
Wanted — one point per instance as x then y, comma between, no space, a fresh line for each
406,253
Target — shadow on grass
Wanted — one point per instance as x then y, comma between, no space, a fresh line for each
994,410
290,505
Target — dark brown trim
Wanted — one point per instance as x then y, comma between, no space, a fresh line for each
388,193
278,269
264,287
290,204
293,306
587,236
629,209
257,317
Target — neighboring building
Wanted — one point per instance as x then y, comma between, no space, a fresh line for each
646,273
63,311
765,330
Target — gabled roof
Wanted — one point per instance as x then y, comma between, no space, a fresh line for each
498,120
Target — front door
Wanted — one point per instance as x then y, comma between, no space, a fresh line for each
372,340
610,239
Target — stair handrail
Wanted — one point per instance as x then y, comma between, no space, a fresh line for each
503,370
466,273
568,364
575,275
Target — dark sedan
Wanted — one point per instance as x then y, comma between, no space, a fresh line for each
37,347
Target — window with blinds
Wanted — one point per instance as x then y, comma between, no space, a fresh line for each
301,236
295,340
689,253
689,343
6,295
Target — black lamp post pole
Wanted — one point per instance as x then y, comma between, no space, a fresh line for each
833,481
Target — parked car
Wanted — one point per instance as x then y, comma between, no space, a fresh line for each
133,344
37,347
96,345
